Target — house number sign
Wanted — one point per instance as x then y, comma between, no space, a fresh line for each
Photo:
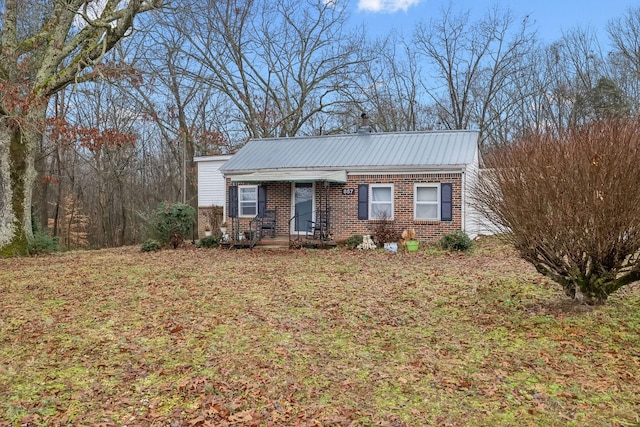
348,191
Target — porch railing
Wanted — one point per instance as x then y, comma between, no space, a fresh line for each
317,229
244,238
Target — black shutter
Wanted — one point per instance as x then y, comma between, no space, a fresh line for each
262,200
446,202
363,201
233,201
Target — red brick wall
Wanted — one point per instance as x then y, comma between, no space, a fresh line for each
344,208
278,198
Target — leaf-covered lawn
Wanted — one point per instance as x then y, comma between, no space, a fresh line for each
270,338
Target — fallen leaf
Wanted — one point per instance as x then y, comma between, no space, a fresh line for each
240,417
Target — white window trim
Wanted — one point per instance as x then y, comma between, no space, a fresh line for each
240,187
437,202
371,202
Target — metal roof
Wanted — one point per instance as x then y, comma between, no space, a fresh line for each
292,175
357,151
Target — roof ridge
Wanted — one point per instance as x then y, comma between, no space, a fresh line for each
337,135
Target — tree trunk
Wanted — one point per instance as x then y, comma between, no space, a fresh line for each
17,175
7,215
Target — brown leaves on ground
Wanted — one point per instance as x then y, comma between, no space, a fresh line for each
309,338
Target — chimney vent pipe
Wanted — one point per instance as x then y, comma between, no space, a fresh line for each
364,126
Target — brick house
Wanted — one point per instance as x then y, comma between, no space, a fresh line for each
339,185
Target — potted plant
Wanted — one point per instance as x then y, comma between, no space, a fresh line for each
223,228
412,245
207,230
408,240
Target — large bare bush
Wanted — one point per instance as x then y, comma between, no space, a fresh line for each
570,203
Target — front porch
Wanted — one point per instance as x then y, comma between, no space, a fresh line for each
305,230
280,215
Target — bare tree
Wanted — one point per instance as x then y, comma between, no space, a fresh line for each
64,46
624,59
109,161
387,86
90,173
624,33
552,94
473,63
280,63
570,204
557,86
181,107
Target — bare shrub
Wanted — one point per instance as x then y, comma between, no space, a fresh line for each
214,216
384,230
570,203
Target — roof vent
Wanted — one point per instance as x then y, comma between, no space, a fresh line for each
364,127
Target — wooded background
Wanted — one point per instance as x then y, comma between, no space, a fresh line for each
203,77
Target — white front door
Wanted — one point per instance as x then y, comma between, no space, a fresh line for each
303,206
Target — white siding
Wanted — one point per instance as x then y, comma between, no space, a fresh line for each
475,223
211,183
471,216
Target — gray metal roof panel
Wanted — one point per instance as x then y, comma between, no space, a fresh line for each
440,148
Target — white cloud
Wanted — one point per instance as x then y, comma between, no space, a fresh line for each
386,6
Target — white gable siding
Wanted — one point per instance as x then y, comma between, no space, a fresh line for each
475,223
211,182
472,219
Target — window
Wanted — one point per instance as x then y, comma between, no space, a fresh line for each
426,203
381,201
248,200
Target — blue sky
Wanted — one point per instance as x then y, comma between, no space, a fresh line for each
550,17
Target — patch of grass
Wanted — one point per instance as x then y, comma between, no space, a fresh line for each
331,337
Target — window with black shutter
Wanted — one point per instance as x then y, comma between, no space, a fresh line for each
363,201
446,204
233,201
262,200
